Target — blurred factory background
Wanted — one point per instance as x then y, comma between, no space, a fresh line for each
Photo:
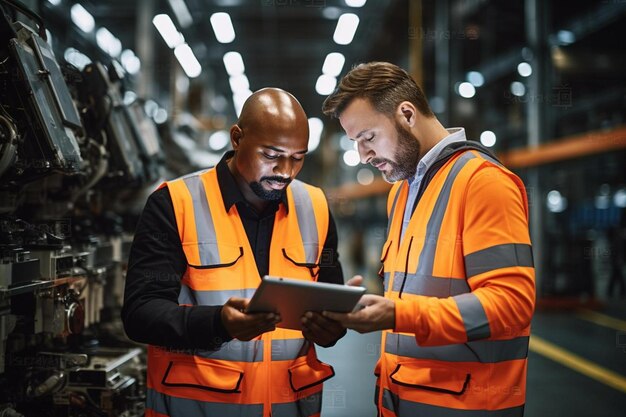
125,94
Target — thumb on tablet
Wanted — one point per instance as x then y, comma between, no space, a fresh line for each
355,281
238,303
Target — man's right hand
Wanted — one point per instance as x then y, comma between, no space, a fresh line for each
244,326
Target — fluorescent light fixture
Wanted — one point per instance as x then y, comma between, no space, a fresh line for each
223,27
524,69
351,158
54,2
150,107
355,3
333,64
76,58
365,176
234,63
130,62
475,78
518,89
239,99
466,90
239,83
346,28
316,126
488,138
331,13
188,60
82,18
619,199
325,84
556,202
218,140
182,13
565,37
160,116
108,42
129,97
168,31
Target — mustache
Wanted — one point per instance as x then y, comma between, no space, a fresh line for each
377,161
277,179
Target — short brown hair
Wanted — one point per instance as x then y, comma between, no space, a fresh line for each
385,85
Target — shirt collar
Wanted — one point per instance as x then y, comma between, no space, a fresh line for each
455,134
231,194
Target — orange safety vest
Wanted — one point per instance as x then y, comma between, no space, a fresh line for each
462,280
276,374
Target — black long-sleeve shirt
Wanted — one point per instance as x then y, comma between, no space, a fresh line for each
151,313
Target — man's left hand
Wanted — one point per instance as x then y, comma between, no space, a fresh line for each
321,330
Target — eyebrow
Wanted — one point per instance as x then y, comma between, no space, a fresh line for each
274,148
362,132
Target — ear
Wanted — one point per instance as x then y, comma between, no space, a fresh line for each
406,113
236,134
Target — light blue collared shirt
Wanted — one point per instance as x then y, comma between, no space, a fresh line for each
456,134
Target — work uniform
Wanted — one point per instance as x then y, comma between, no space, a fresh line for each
462,280
275,374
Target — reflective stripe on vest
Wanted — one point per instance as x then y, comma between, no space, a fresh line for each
427,256
182,407
404,408
306,221
429,285
484,351
209,253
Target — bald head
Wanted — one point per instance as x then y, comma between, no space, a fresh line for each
270,141
271,109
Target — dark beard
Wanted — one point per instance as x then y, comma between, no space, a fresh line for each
269,195
406,157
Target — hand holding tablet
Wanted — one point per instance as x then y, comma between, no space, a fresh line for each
291,298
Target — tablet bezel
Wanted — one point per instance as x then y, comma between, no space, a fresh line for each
294,297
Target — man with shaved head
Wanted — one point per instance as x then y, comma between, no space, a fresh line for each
201,247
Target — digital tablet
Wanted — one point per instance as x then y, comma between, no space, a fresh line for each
293,297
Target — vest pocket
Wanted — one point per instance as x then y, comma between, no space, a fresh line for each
435,378
228,256
205,376
295,256
308,374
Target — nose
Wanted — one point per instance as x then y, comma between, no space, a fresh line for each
365,152
284,167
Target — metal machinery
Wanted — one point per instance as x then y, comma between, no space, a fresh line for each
74,161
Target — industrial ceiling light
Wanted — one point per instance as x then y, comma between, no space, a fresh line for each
316,126
182,13
82,18
346,28
239,83
223,27
168,31
233,63
475,78
108,42
488,138
466,90
333,64
130,62
188,60
325,84
355,3
524,69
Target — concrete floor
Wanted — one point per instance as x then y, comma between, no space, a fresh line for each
559,383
